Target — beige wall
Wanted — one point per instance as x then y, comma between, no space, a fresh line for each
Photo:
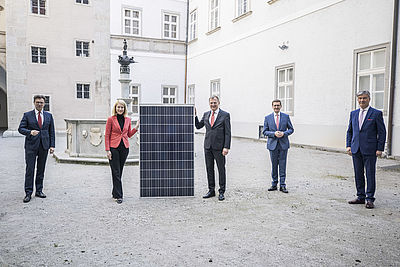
64,23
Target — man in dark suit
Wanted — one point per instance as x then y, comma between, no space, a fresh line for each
277,126
365,141
217,143
38,127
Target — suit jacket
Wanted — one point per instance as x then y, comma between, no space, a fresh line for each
285,126
46,134
114,134
218,136
372,135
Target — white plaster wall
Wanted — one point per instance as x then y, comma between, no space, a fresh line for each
322,37
65,23
151,15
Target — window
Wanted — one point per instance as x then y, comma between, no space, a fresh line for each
169,95
83,90
82,49
371,75
215,88
190,94
242,7
284,88
214,14
38,55
193,25
170,22
131,21
38,7
134,95
85,2
46,103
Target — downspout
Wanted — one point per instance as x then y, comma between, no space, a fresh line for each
392,76
186,47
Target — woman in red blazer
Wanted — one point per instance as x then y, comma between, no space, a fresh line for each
118,130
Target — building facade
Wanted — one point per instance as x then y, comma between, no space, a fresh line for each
313,55
156,35
3,79
59,49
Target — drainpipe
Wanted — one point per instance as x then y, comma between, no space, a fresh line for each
392,76
186,47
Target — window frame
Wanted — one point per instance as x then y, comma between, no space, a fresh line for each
286,83
46,8
169,95
193,26
83,4
82,54
370,72
139,20
211,14
83,91
190,96
169,13
135,95
31,54
239,5
217,81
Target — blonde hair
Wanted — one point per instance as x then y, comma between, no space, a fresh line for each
122,102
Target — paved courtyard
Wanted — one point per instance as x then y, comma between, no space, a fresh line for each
78,224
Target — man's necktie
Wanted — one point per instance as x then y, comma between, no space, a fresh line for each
360,121
277,121
212,119
39,120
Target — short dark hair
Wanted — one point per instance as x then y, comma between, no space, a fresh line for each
365,92
214,96
38,96
276,100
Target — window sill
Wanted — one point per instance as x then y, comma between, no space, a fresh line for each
248,13
192,41
214,30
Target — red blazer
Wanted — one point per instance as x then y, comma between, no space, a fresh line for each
114,134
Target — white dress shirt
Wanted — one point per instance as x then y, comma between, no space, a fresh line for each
215,115
41,115
275,115
361,120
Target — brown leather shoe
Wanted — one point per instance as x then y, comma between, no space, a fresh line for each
357,201
369,205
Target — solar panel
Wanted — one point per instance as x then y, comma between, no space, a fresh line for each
166,150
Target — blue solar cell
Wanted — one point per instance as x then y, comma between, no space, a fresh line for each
166,150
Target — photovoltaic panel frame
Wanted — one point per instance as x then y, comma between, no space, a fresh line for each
166,150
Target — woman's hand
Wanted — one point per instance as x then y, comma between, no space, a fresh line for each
109,155
137,125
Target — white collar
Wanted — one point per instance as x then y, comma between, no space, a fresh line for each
37,111
215,112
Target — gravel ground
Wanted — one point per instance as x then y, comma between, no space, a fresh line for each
78,224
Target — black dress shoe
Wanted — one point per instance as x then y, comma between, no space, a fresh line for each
369,205
40,194
209,194
221,196
119,200
283,189
357,201
27,198
272,188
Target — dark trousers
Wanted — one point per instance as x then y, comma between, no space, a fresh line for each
117,162
278,159
361,161
36,157
210,156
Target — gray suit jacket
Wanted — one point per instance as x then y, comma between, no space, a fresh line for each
217,137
